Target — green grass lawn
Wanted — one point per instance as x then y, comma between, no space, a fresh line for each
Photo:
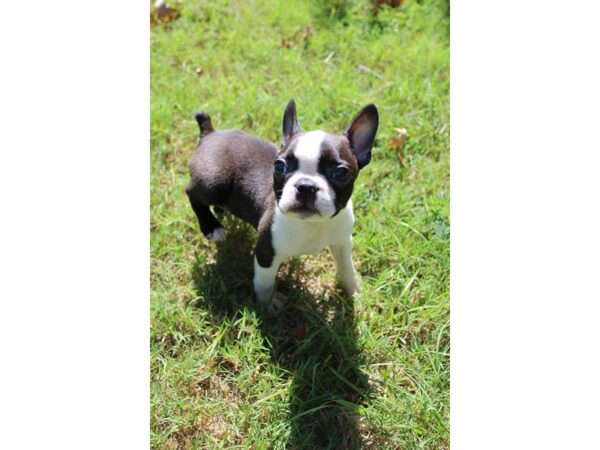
329,371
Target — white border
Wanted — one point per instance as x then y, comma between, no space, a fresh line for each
74,239
525,226
74,229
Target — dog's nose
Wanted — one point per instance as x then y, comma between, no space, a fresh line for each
306,189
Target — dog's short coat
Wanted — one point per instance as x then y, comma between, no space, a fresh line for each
297,196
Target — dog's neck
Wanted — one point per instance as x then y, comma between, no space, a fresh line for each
293,236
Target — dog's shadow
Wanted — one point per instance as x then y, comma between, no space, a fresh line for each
314,338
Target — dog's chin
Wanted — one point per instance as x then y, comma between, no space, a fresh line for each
303,212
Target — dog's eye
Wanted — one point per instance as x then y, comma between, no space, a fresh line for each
280,167
341,174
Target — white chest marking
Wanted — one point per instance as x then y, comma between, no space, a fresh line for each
293,236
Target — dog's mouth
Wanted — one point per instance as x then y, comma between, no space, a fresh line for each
304,210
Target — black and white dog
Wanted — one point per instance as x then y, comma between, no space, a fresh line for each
297,196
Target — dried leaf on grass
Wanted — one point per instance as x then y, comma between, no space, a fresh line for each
216,426
392,3
299,331
398,142
162,14
299,37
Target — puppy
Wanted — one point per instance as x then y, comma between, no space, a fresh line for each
296,196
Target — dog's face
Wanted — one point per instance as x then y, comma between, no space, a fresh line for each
314,173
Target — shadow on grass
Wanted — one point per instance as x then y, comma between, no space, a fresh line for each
314,339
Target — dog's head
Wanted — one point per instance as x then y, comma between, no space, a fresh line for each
314,173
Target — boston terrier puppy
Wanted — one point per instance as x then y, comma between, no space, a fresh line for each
296,196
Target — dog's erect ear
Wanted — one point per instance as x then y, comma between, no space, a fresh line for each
290,123
361,134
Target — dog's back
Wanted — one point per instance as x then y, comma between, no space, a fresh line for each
232,169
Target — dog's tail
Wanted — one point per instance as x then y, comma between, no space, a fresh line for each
204,123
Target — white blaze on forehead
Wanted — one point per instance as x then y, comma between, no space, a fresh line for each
308,151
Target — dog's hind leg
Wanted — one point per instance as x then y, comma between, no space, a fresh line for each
209,225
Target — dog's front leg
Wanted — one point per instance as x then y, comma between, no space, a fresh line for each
264,283
342,253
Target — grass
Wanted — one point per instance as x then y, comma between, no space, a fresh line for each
328,372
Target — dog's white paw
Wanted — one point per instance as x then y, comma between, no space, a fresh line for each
218,234
351,285
276,304
273,301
